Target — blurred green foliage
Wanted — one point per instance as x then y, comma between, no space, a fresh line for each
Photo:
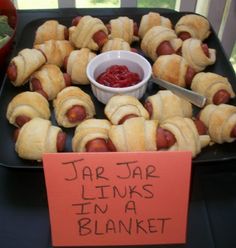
170,4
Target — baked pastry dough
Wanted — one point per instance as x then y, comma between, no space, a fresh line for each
29,104
165,104
123,27
116,44
51,79
220,120
77,64
27,61
89,130
186,135
171,68
155,36
193,53
69,97
50,30
208,84
135,134
55,51
82,34
35,138
197,26
150,20
120,106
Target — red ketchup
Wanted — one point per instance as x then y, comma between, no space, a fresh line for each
118,76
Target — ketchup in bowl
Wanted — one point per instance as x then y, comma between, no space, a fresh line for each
118,76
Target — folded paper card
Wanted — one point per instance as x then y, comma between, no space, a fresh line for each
100,199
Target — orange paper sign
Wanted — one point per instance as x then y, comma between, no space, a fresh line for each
99,199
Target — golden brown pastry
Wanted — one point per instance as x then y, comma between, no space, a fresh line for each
49,81
172,68
24,64
77,64
55,51
26,106
186,135
116,44
150,20
37,137
72,106
214,87
195,56
135,134
89,32
123,27
195,26
50,30
221,122
164,104
121,107
154,39
91,135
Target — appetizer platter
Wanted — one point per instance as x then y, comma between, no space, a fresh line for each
46,97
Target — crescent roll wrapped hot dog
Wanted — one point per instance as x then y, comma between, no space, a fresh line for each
91,136
160,41
26,106
174,69
192,26
116,44
49,81
122,107
24,64
37,137
88,32
123,27
185,133
164,104
135,134
214,87
221,122
150,20
76,64
72,106
197,55
50,30
55,51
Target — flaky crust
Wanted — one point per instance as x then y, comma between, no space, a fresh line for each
186,134
55,51
77,65
82,34
150,20
165,104
123,27
220,120
120,106
155,36
89,130
208,84
197,26
49,30
194,55
51,79
116,44
30,104
27,61
35,138
171,68
135,134
69,97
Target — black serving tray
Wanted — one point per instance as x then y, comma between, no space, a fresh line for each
28,23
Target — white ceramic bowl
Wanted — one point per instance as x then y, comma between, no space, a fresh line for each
134,62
